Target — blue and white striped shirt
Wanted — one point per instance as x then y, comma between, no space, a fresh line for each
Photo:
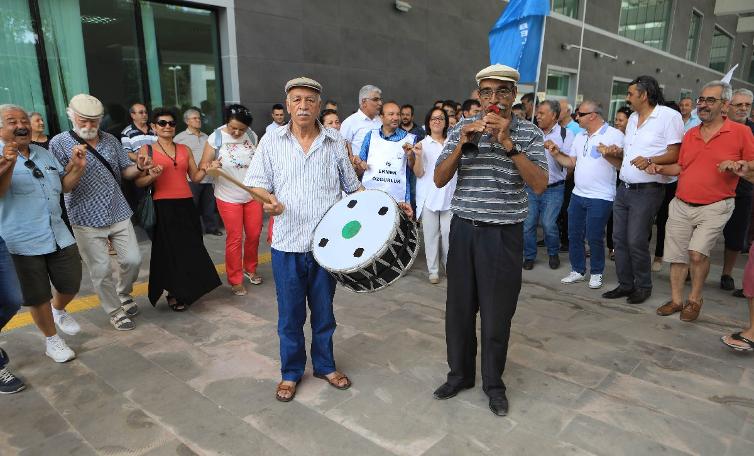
306,183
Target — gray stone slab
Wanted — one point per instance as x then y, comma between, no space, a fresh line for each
66,443
27,419
453,445
586,375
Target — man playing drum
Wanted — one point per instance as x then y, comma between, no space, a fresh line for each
486,232
302,169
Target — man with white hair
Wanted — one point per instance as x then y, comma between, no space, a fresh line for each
356,126
97,209
566,121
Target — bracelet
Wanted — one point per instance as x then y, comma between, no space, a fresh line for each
140,170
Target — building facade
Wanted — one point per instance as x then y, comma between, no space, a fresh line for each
209,53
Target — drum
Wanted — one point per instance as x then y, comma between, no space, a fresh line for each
366,241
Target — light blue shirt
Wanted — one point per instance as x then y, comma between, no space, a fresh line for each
574,127
692,122
30,213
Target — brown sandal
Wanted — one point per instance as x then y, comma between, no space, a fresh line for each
285,388
335,380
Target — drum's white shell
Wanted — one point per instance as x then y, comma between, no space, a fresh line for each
376,230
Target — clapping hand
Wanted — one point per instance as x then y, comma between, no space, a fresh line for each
358,163
418,149
155,171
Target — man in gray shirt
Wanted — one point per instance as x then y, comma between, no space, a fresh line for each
495,154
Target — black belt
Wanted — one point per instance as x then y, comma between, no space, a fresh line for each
477,223
641,185
555,184
698,204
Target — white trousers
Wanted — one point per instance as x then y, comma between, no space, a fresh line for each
436,228
92,243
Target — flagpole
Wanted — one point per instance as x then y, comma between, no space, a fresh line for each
539,63
581,49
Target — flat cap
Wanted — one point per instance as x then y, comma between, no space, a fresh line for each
499,72
87,106
303,82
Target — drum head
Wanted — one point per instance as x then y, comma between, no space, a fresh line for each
355,230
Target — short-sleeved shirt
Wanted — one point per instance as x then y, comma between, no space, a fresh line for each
594,177
427,194
235,155
396,136
489,187
692,122
355,128
97,200
196,144
306,183
417,131
662,128
574,127
700,182
272,127
557,172
30,213
133,139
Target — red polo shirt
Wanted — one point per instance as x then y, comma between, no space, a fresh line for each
700,182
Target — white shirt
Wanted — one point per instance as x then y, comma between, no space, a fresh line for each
272,127
594,176
355,128
556,172
307,184
663,127
427,194
235,156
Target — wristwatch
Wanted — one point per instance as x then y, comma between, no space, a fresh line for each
513,151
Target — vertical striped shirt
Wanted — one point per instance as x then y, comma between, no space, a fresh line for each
489,187
306,183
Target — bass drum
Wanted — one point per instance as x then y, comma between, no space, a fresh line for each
365,241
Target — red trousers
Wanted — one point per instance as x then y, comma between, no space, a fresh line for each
241,254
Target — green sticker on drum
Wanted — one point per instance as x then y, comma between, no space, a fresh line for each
351,229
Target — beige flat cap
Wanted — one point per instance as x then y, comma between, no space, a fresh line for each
499,72
87,106
303,82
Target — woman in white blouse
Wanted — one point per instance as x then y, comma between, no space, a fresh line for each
231,147
432,203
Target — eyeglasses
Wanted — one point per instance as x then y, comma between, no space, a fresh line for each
35,171
582,114
436,119
500,92
742,105
164,123
140,112
375,99
708,100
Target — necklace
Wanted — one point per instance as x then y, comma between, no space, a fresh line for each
173,158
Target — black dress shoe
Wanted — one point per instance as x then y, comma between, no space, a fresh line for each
554,262
446,390
639,296
617,293
528,265
727,283
499,405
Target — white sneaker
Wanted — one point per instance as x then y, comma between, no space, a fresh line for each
595,281
573,277
66,323
58,350
434,278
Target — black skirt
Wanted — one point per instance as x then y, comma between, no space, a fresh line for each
179,264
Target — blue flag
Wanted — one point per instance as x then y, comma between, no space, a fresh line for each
516,37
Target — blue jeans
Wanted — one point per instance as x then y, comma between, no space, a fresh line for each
298,280
543,209
10,290
587,217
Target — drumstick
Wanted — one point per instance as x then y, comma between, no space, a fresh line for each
217,172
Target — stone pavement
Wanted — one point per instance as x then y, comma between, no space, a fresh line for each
585,376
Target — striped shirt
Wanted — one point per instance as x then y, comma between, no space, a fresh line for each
490,188
306,183
133,138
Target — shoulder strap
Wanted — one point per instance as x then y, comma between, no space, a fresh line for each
218,141
95,153
563,132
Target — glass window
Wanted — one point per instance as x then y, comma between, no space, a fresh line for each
646,21
20,82
568,8
617,97
751,69
183,70
744,57
692,45
558,83
719,53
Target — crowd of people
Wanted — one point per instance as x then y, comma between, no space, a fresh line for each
479,176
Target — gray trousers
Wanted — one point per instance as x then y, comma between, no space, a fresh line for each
633,213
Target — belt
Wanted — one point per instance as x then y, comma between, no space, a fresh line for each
699,204
555,184
477,223
641,185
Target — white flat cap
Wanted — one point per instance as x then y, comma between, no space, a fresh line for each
87,106
303,82
499,72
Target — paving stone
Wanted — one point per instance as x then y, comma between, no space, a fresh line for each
26,420
66,443
586,375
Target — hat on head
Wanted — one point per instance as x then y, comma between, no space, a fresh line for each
303,82
86,106
499,72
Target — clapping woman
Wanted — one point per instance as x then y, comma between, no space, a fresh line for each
179,264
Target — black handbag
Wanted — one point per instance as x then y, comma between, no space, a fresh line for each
145,214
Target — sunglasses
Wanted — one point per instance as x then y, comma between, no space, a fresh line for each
35,171
582,114
163,123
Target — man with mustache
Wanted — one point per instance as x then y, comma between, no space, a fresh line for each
703,202
40,244
302,168
97,209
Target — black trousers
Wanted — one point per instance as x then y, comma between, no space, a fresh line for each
484,275
204,199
